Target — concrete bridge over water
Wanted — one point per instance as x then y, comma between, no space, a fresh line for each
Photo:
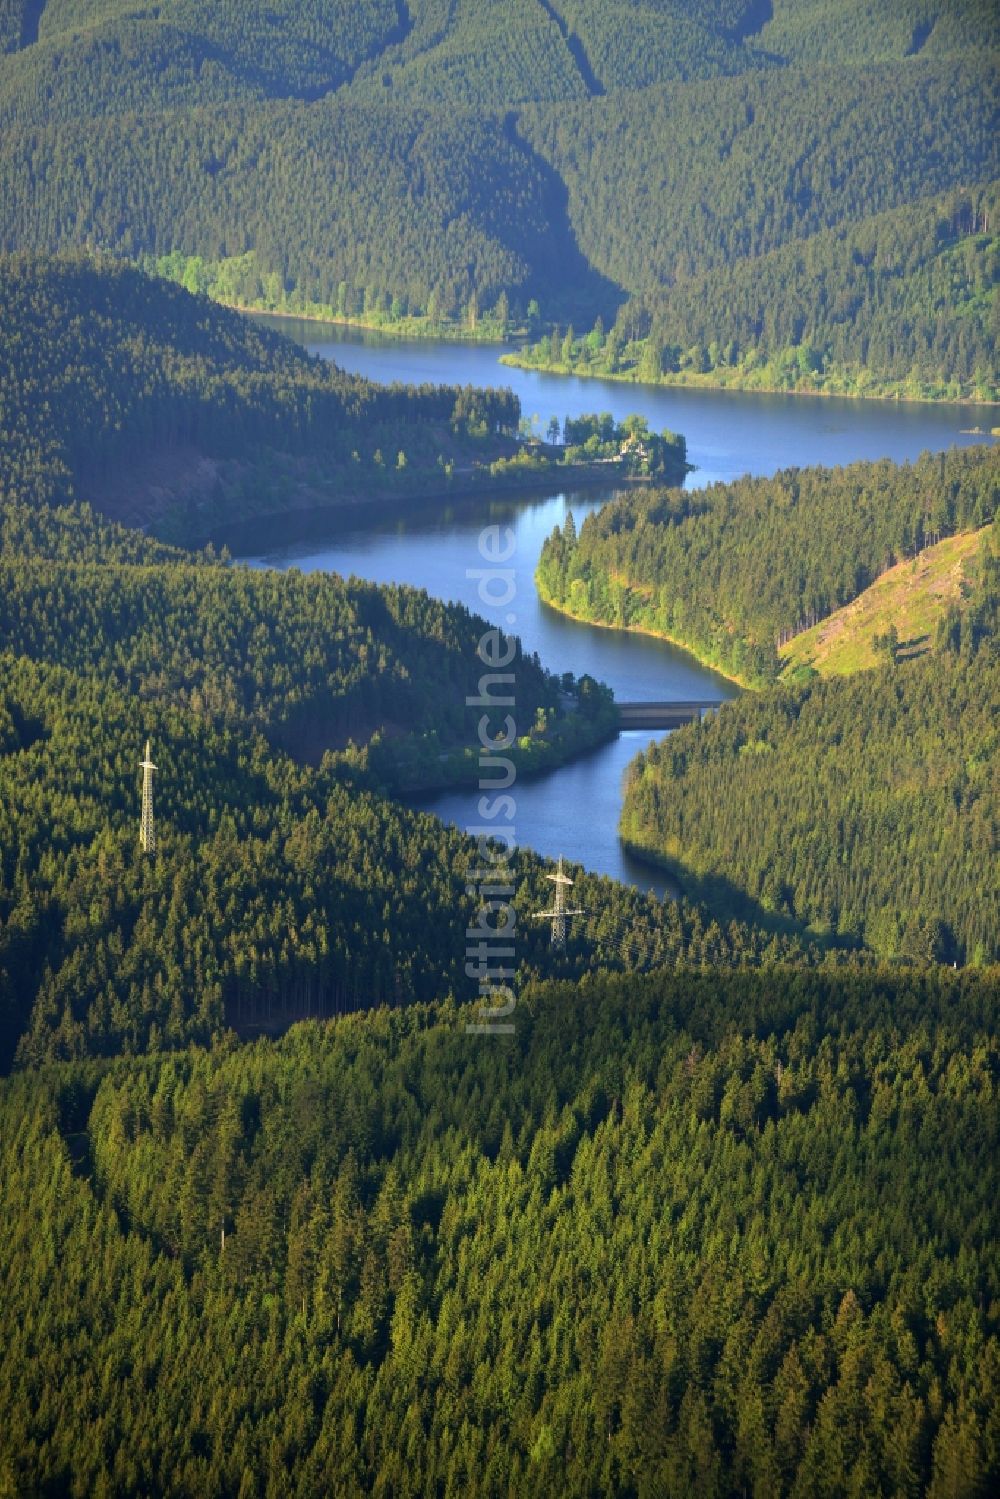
661,715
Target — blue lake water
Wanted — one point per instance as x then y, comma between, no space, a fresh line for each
574,811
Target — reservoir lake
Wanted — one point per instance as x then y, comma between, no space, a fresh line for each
574,810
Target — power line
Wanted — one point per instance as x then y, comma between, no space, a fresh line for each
147,828
560,912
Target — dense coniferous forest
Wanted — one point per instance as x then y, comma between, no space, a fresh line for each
427,205
833,30
713,178
907,294
686,1234
699,165
277,891
715,1214
733,570
103,369
863,807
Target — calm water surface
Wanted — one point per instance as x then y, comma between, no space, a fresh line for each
574,811
728,433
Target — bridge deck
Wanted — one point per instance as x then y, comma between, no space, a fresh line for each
660,715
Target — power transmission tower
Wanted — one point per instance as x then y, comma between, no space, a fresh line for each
560,912
147,829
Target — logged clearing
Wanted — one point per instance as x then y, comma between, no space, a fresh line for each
912,596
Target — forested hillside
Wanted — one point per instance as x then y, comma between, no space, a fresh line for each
446,155
103,370
277,891
832,30
379,674
302,47
734,570
865,807
690,1234
670,182
899,304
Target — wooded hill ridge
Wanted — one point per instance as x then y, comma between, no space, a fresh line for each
861,810
745,1222
104,371
734,570
540,161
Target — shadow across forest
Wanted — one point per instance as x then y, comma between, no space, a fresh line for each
574,288
757,15
31,19
728,901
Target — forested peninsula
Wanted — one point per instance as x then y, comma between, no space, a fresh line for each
188,420
181,417
734,571
862,809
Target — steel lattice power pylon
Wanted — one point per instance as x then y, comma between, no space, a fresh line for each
560,912
147,829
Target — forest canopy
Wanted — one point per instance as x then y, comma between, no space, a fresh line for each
690,1233
704,166
716,1214
733,570
103,370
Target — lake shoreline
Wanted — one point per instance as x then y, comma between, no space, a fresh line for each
738,388
575,810
401,502
679,645
412,332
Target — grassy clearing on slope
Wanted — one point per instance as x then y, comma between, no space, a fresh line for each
913,595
